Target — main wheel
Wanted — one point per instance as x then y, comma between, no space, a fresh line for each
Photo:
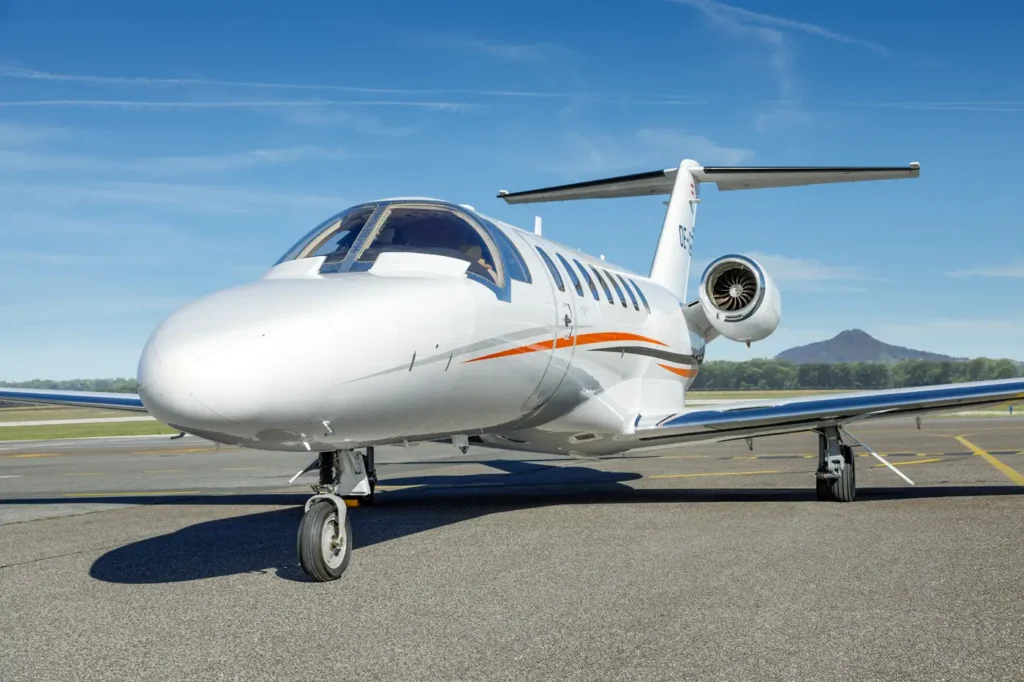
324,548
844,488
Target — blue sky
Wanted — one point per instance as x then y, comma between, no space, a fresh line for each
154,152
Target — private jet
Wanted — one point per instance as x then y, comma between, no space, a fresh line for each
410,320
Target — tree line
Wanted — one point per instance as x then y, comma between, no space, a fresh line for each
780,375
119,385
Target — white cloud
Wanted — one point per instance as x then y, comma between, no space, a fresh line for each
997,107
530,52
23,135
770,31
746,17
956,336
152,82
1013,271
182,198
798,274
25,161
129,104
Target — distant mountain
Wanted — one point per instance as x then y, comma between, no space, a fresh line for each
855,345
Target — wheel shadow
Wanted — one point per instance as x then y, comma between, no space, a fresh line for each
265,541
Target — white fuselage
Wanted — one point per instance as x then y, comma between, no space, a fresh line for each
413,349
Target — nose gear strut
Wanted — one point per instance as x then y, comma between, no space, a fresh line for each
324,541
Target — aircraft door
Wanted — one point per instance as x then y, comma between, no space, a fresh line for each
563,341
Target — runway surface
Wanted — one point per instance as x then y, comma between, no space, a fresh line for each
142,557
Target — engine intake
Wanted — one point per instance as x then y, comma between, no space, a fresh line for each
739,300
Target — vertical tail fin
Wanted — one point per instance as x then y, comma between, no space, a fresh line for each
671,266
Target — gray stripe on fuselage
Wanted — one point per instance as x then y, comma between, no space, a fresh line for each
651,352
486,344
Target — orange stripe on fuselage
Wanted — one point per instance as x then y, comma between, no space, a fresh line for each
581,340
681,371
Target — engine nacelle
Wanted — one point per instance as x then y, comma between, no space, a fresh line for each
739,299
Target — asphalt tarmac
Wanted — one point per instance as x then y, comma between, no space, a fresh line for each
145,558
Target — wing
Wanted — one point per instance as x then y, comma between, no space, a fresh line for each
729,420
109,401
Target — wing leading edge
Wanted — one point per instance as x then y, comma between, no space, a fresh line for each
774,417
37,396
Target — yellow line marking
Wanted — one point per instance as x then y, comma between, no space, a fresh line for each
912,461
745,457
242,469
163,471
685,456
171,451
90,473
1006,469
718,473
135,494
35,454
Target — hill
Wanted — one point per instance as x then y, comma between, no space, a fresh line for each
854,345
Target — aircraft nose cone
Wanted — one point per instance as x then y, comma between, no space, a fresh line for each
230,362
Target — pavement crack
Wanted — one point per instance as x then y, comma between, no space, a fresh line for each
57,556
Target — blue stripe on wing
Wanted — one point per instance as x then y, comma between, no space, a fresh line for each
807,413
111,401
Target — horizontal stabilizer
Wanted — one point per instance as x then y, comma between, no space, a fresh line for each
725,177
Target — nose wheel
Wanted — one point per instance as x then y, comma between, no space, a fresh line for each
324,539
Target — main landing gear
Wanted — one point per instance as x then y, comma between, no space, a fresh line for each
836,478
324,540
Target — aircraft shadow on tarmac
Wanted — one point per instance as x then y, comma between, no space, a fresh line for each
265,541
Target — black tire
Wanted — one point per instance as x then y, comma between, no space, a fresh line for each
844,488
310,542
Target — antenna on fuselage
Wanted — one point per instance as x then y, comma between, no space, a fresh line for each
536,225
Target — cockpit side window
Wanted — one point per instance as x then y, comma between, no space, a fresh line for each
435,231
335,241
551,266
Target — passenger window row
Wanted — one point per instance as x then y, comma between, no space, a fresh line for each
614,278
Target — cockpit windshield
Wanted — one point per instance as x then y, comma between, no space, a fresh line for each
334,238
354,238
436,231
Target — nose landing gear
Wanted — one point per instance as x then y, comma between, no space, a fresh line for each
324,541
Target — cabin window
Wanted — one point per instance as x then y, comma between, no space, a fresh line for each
554,270
618,290
434,231
640,293
590,280
604,285
572,274
332,238
629,291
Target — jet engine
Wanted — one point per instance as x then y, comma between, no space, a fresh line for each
739,299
